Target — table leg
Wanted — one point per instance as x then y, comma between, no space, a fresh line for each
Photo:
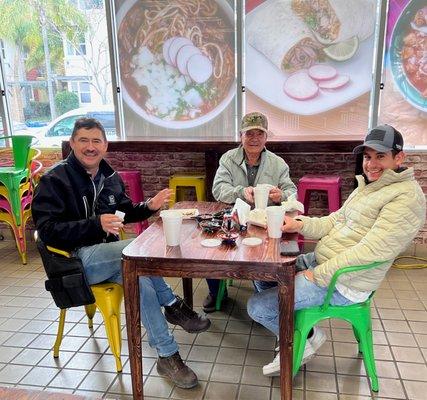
133,325
286,334
187,286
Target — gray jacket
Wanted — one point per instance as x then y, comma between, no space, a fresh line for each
231,178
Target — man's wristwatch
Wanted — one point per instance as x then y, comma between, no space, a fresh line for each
148,203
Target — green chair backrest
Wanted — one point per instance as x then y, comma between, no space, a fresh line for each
344,270
21,145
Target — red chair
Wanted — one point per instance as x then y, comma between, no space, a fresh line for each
329,183
132,181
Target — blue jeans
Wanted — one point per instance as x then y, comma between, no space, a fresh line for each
102,263
263,307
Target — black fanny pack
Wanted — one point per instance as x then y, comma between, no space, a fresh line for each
67,281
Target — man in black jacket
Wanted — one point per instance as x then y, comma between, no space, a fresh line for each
74,209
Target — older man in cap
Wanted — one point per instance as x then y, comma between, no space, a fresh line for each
241,169
377,222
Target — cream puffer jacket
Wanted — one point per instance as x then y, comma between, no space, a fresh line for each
376,223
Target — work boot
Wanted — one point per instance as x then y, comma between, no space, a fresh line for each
173,367
180,314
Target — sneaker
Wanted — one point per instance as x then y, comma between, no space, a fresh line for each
273,369
173,367
316,340
180,314
311,346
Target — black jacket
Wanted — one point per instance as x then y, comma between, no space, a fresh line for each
66,212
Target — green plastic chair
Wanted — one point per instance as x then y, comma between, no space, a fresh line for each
221,292
11,177
358,315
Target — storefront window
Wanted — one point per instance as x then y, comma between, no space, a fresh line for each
54,61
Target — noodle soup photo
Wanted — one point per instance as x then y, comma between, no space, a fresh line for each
408,55
176,59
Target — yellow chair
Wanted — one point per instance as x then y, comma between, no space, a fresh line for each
108,299
197,181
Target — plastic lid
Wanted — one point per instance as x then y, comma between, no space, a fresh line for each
210,242
252,241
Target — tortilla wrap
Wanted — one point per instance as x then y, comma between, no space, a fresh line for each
333,21
274,30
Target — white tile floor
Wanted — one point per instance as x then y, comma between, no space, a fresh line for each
228,358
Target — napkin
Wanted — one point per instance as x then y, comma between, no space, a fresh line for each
243,210
292,204
258,217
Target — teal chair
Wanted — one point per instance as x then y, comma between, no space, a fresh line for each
11,177
358,315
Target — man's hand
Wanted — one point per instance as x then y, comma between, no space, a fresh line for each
160,199
111,223
248,193
308,273
291,225
275,195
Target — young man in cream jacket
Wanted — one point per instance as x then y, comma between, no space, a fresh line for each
377,222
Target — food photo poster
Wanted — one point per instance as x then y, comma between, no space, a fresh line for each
308,66
177,68
403,100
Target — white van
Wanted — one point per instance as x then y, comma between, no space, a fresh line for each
61,128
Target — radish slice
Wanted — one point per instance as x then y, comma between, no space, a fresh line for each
199,68
338,82
322,72
166,46
175,46
300,86
183,55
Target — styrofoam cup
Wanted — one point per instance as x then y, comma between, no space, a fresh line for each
261,196
275,218
172,221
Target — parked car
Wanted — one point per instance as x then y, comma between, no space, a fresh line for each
17,127
61,128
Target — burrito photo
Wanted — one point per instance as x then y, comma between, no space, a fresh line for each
333,21
282,37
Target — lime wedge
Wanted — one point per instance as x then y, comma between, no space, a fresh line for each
343,50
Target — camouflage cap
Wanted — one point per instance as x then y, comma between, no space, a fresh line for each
254,120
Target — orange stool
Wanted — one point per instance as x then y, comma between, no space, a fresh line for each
132,181
329,183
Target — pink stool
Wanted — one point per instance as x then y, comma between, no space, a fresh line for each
329,183
132,181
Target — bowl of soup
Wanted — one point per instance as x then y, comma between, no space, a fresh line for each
408,54
177,64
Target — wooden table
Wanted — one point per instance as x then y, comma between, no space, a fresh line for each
148,255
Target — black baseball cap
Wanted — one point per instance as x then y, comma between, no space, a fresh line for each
382,138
